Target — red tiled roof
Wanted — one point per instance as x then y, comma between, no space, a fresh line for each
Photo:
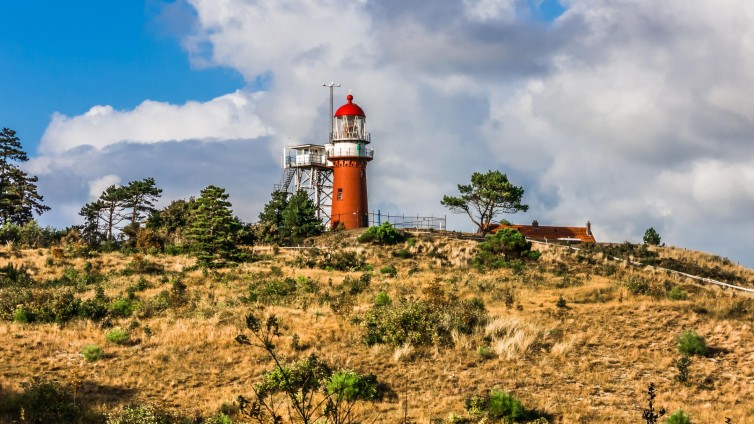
543,232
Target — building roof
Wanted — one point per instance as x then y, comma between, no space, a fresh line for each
545,232
350,108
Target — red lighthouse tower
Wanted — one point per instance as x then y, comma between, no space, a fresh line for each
349,155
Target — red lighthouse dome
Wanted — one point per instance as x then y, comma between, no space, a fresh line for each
350,108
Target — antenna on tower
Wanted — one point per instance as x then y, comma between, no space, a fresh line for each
332,85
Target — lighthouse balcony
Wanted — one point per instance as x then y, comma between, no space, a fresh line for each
359,136
348,150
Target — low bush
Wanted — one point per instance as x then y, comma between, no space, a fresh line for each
403,254
92,353
121,307
389,270
423,322
118,336
382,299
382,234
47,401
507,248
678,417
691,343
338,260
677,293
502,406
15,276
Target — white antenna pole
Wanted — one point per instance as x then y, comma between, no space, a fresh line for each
332,85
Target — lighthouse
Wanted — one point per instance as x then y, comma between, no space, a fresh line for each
349,156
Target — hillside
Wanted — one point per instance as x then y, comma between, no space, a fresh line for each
575,336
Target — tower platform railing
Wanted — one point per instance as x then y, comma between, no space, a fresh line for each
408,221
308,159
363,152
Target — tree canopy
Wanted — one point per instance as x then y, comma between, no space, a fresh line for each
487,196
117,204
288,219
651,236
19,198
213,230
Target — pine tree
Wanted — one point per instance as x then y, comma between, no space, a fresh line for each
300,218
19,198
213,230
269,229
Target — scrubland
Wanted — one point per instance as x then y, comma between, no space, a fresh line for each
575,336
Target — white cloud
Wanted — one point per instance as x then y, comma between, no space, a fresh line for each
232,116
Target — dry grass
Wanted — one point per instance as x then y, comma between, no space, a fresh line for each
589,362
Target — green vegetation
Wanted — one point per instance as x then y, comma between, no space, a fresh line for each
423,322
384,233
678,417
652,237
507,248
500,406
305,385
19,198
487,196
691,343
214,231
288,220
118,336
92,353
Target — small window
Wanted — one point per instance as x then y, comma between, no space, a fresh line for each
340,194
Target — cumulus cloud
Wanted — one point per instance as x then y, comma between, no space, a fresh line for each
231,116
627,113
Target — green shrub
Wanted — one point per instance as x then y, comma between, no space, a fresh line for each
389,270
678,417
121,307
118,336
356,286
506,406
382,299
423,322
677,293
382,234
47,401
507,248
691,343
91,353
20,316
141,414
638,285
15,276
484,352
403,254
338,260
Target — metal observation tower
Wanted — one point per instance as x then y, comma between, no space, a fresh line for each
314,168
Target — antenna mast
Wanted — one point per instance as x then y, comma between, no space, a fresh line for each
331,86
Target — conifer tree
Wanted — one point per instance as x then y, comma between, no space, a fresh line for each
300,218
19,198
213,230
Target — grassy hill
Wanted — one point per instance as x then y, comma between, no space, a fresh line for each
575,336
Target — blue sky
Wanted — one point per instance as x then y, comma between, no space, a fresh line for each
68,56
626,113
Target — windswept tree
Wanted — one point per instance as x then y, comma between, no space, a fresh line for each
487,196
19,199
118,204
